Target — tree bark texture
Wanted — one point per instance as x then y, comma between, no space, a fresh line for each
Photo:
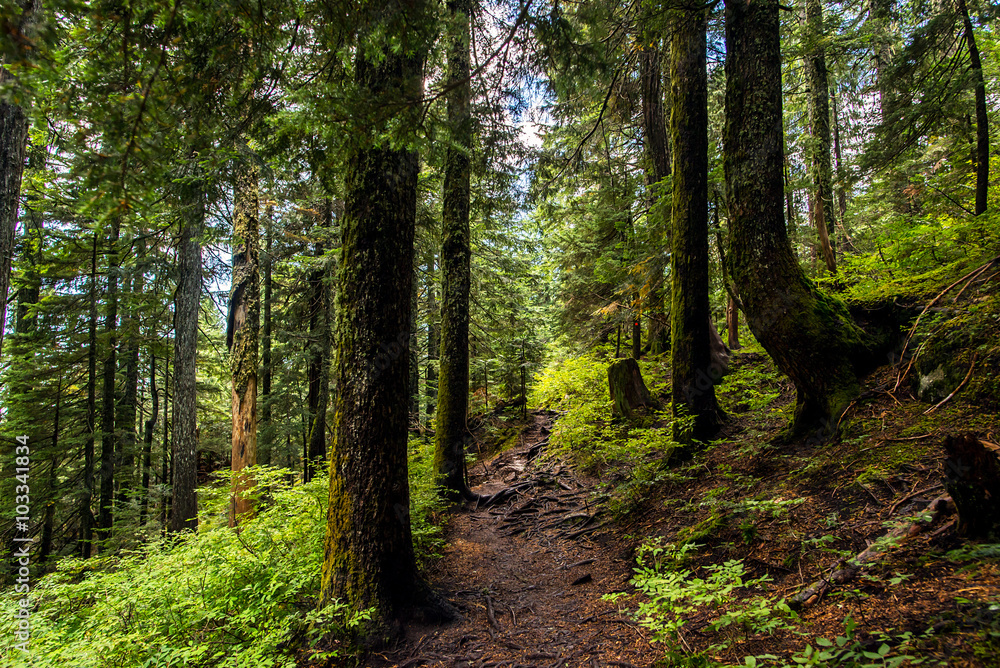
456,253
187,299
126,414
820,167
13,150
267,427
658,154
810,336
319,353
693,376
244,330
368,548
982,117
433,337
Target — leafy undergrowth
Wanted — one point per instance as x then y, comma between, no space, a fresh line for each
212,598
724,539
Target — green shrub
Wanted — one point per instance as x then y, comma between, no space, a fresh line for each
217,597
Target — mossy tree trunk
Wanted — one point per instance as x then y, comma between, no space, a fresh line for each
658,155
187,299
810,336
627,389
368,549
433,337
243,334
319,352
453,380
692,374
982,116
820,166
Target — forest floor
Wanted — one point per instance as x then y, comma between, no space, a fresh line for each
529,574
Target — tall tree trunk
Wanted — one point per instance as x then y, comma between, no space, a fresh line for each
819,121
166,449
733,324
109,439
837,153
85,546
982,118
636,333
433,337
267,426
13,150
126,417
453,383
692,373
658,153
243,334
809,335
319,360
48,522
187,300
147,441
414,348
369,559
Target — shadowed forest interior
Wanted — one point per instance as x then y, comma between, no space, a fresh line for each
498,333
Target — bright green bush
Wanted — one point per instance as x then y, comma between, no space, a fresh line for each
216,598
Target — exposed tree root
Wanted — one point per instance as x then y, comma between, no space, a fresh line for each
854,567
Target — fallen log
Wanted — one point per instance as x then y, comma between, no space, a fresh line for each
854,566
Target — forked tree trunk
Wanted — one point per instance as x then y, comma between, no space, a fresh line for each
319,353
810,335
453,383
693,375
243,333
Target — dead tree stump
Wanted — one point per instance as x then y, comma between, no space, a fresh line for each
972,478
628,390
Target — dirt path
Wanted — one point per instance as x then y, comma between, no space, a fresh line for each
528,574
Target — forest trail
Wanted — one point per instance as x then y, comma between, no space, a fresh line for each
528,573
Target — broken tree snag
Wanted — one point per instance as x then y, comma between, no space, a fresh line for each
628,391
875,552
972,478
